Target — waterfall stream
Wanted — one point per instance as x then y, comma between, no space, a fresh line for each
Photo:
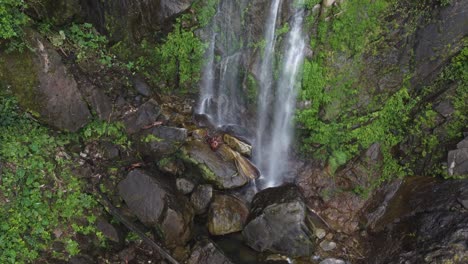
282,130
222,96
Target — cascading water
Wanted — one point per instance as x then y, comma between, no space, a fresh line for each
273,152
265,85
220,93
285,103
222,97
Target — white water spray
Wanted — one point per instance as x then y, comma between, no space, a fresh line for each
274,154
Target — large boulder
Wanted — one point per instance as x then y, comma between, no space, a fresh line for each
162,141
205,252
227,215
427,222
211,167
280,222
44,86
155,205
146,115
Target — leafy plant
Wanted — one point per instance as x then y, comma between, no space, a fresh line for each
39,196
12,18
181,58
100,129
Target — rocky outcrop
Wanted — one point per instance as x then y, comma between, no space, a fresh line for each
205,252
227,215
156,206
427,222
279,222
44,86
132,20
211,167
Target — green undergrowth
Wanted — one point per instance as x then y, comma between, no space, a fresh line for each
41,202
99,130
344,115
425,123
333,128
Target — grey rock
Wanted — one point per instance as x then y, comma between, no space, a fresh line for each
445,108
167,141
146,114
141,86
430,211
227,215
109,150
327,245
332,261
184,186
211,167
463,144
201,198
98,100
155,205
458,161
108,230
144,195
279,222
205,252
43,85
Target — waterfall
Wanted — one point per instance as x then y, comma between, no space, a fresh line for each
273,151
265,84
208,80
221,94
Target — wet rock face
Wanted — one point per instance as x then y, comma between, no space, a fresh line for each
279,223
44,86
155,205
211,167
227,215
206,252
131,20
430,226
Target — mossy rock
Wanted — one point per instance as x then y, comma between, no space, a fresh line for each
210,166
43,86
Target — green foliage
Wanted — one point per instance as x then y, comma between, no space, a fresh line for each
39,197
97,130
88,43
309,4
205,10
181,58
355,27
12,18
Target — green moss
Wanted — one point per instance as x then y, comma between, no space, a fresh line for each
20,73
205,172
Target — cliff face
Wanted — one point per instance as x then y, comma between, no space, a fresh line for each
383,94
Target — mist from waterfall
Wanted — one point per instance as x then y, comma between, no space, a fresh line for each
274,147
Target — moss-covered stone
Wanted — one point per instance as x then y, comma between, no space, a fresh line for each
210,166
18,71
